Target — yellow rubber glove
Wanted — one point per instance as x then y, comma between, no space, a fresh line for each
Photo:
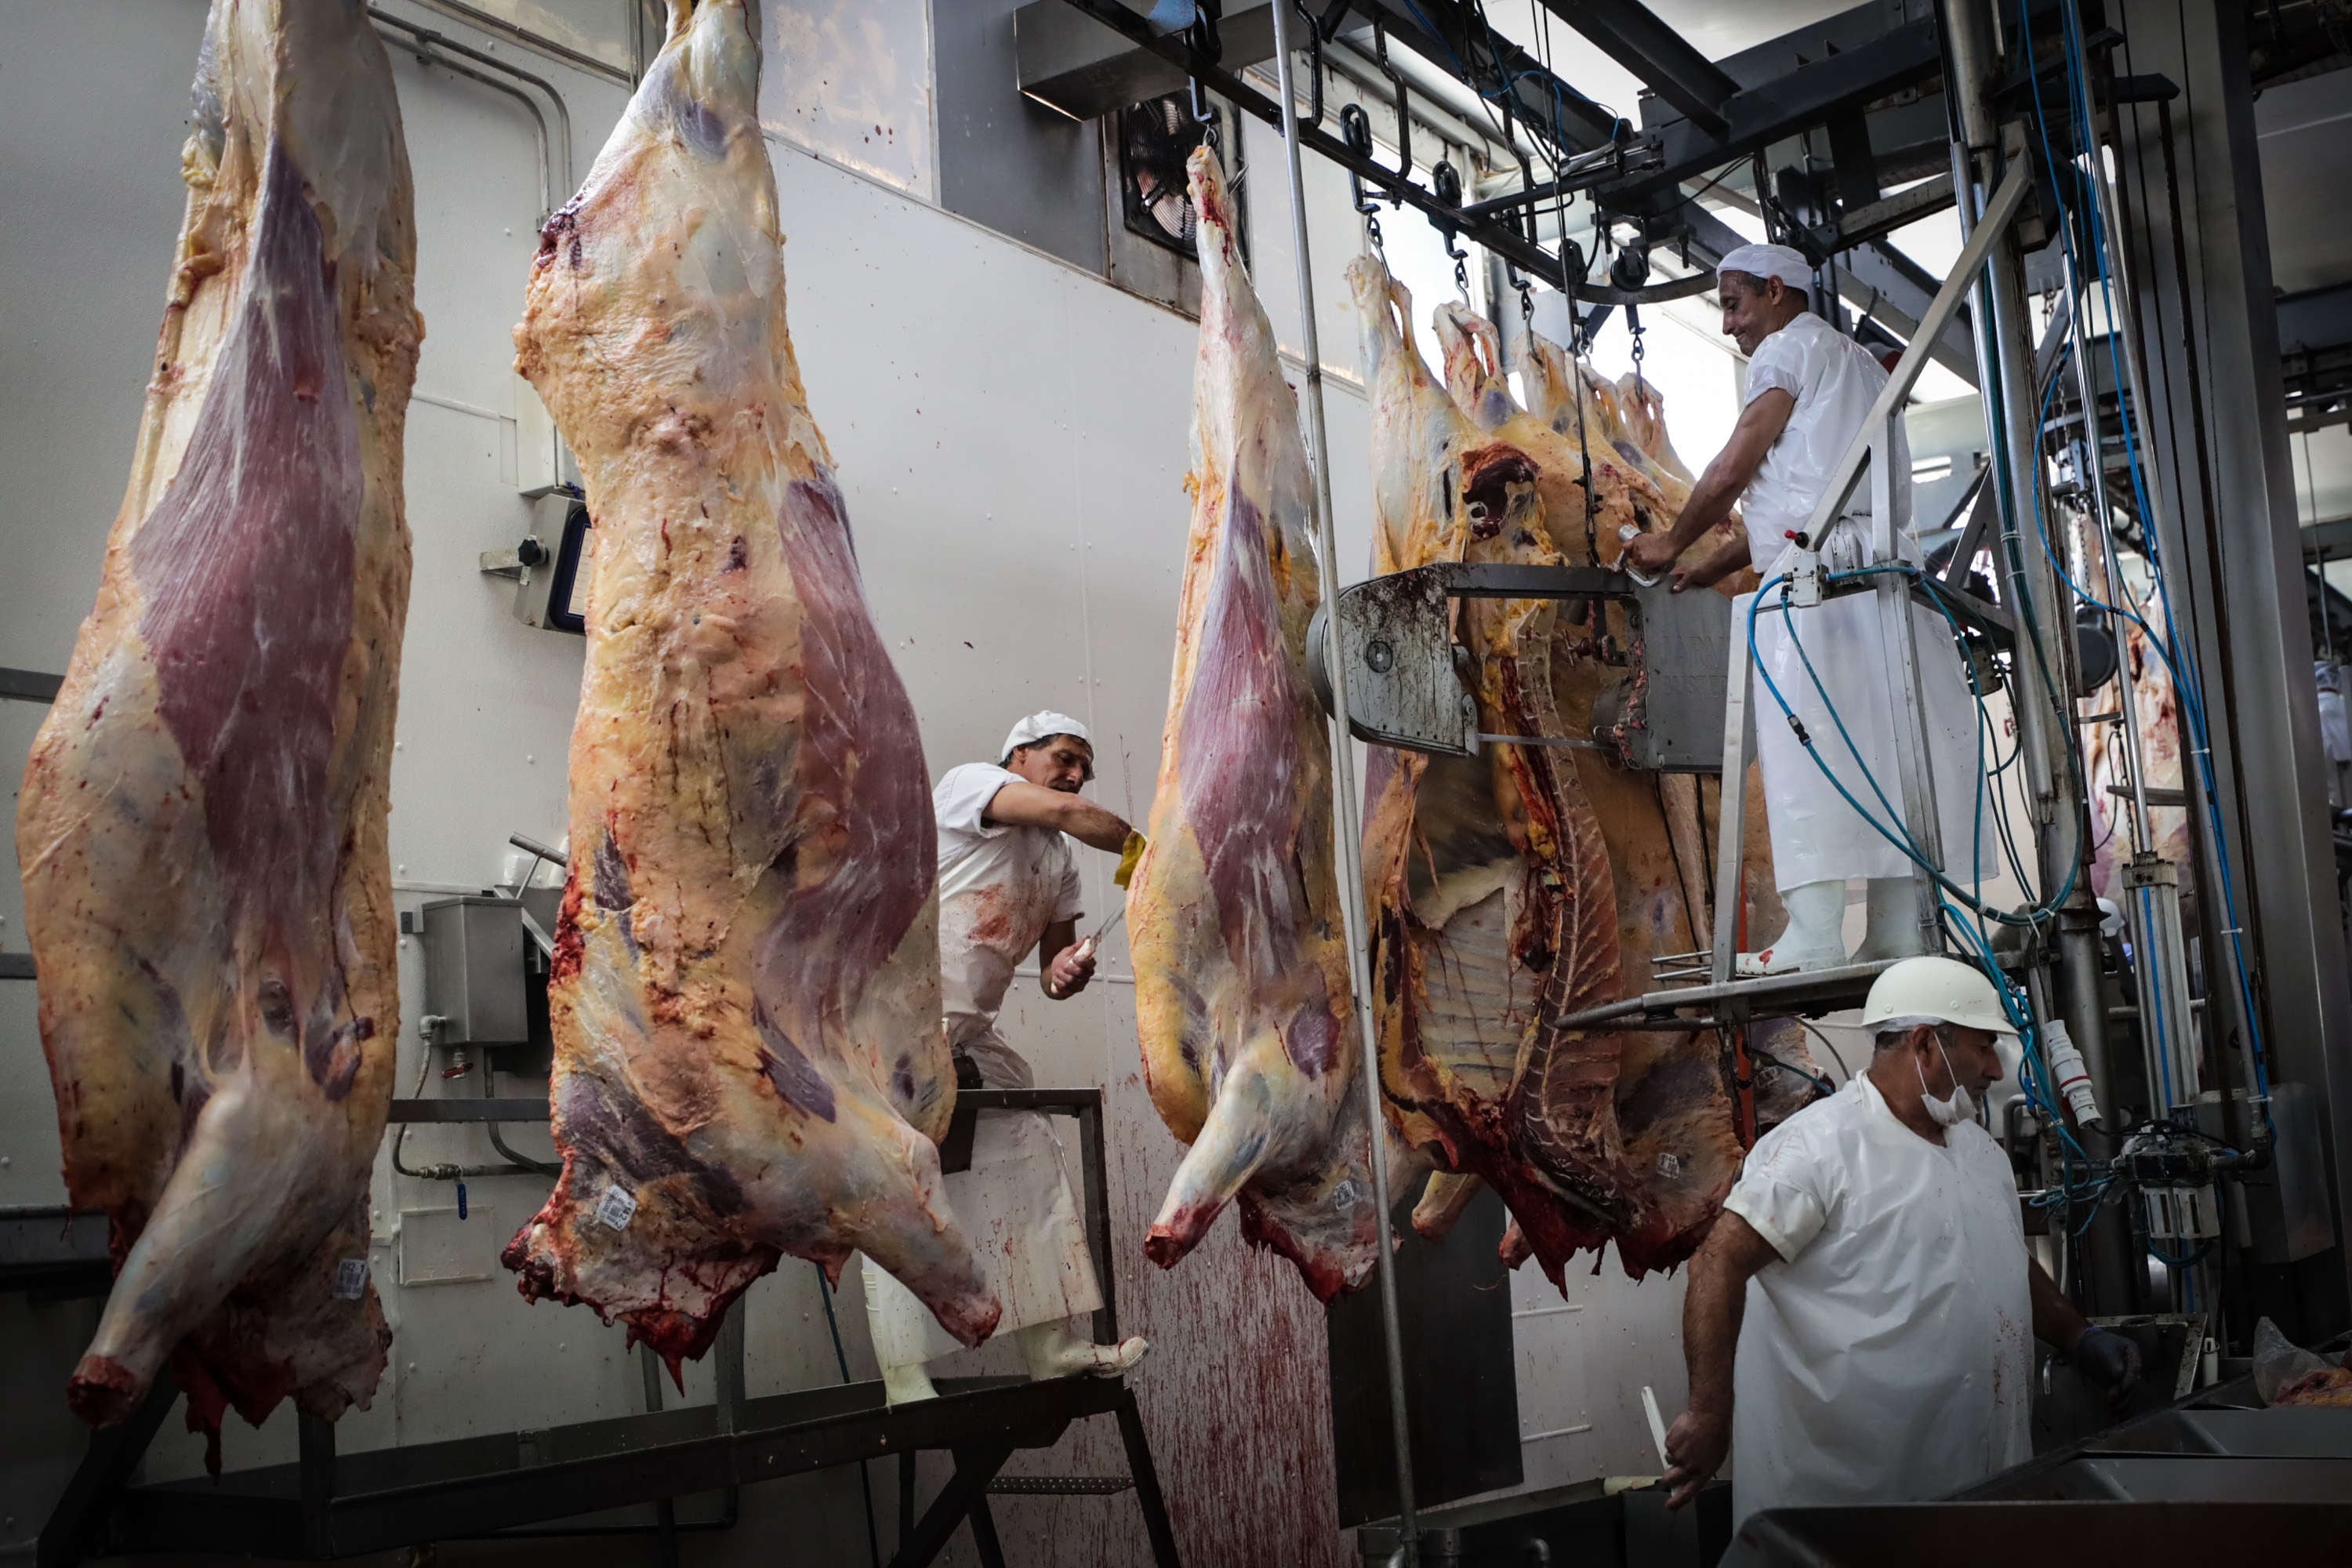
1128,854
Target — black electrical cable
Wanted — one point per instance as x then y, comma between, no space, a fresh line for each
841,1359
1817,1081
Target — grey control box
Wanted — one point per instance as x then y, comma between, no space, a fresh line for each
474,973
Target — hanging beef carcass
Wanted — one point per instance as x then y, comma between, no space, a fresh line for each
1532,881
202,830
1242,990
745,991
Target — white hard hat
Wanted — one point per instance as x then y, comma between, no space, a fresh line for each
1036,727
1941,988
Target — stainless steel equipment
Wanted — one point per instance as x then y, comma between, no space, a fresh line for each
474,971
1405,671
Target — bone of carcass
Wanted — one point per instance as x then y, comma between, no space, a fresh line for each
1661,860
206,883
745,993
1530,881
1242,991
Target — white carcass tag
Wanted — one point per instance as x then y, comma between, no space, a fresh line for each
351,1278
616,1207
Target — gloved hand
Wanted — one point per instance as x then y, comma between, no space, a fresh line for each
2108,1359
1128,854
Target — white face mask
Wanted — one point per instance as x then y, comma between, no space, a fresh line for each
1962,1105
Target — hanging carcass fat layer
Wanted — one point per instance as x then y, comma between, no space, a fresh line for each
202,830
745,994
1242,993
1521,884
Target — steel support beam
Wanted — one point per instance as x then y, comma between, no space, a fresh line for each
1888,286
1810,95
2332,537
2316,319
1874,278
1455,37
2064,982
1630,34
2198,261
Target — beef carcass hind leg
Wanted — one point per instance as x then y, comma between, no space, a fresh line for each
745,994
1242,989
206,884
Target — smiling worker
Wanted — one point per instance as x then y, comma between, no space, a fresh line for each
1008,887
1809,390
1856,1323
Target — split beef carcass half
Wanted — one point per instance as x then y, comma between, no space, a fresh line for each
1250,1047
206,883
1530,881
1638,479
745,993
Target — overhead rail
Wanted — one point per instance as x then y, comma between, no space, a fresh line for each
1633,35
1394,185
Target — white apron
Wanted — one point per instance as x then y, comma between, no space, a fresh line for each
1887,1357
1816,836
999,886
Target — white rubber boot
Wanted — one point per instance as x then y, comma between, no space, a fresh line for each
1894,921
1813,938
1060,1350
907,1384
895,1324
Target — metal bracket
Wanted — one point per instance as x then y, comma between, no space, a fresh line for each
1406,675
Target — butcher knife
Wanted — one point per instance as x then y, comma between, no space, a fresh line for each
1087,949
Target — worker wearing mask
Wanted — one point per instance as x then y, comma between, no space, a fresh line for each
1809,389
1008,887
1869,1269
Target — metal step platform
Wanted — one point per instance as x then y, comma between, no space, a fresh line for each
332,1505
328,1505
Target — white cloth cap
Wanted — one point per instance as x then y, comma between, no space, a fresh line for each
1782,261
1036,727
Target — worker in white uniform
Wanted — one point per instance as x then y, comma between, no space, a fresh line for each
1008,887
1869,1269
1809,389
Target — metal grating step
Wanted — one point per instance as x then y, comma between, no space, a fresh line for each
1062,1486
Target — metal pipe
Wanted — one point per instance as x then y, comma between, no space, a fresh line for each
2143,830
1345,822
424,53
529,40
2045,704
556,146
2214,912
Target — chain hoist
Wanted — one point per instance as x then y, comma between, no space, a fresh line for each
1356,131
1584,448
1629,271
1207,47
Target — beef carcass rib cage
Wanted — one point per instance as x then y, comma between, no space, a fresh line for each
1242,995
1530,881
206,883
745,994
